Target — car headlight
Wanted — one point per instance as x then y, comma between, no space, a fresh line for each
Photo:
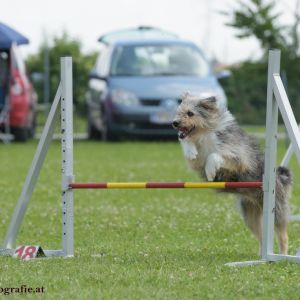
123,97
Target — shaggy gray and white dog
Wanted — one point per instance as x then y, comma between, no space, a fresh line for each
217,149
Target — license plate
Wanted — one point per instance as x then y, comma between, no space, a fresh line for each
163,117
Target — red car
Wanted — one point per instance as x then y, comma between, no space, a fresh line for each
18,99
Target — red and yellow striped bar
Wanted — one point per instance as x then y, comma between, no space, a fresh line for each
166,185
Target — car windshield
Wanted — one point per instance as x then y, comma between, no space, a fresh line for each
158,60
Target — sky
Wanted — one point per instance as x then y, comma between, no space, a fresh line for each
196,20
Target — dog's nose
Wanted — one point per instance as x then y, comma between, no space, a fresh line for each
175,124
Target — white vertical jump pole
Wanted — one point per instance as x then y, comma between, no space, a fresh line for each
67,156
269,179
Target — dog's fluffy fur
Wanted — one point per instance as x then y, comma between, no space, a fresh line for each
219,150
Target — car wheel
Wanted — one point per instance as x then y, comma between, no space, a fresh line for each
31,129
20,134
106,133
93,132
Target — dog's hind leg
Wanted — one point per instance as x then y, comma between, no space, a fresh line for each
282,236
282,208
252,214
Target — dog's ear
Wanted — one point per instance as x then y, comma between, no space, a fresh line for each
209,103
186,95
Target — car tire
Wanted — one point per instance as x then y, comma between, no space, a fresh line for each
93,132
106,134
32,129
20,134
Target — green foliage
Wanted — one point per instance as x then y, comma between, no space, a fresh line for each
246,89
257,19
82,63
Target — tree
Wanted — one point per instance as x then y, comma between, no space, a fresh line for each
246,89
258,18
63,45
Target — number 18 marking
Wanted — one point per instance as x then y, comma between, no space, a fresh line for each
26,252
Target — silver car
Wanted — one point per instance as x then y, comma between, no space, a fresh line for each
138,79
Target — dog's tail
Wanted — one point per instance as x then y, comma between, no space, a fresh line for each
284,175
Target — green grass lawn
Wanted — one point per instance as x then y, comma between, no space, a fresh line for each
137,244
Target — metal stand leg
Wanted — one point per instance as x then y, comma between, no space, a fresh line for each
270,159
287,156
32,175
284,163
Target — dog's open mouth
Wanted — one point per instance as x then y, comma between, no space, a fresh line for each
183,132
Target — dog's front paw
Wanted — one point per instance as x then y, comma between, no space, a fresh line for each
213,164
189,150
191,153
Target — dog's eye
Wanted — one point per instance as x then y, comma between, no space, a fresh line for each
190,113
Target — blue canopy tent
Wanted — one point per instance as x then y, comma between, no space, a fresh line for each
8,36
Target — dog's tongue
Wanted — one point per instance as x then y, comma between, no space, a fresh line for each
182,132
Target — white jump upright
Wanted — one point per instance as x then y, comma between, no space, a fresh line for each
276,98
63,99
67,157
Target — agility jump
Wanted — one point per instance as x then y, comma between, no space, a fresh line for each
63,105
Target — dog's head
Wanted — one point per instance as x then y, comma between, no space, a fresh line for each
195,116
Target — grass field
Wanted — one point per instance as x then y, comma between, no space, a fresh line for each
137,244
